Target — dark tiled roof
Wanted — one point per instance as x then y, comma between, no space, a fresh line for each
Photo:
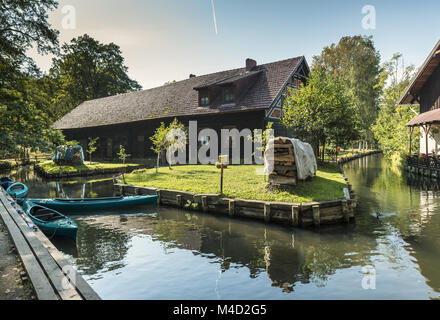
179,99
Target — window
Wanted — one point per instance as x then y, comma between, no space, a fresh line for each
228,95
204,98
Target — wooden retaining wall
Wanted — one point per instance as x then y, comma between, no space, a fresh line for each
83,173
422,171
358,156
294,214
50,273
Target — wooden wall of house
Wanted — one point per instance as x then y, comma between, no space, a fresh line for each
135,136
430,93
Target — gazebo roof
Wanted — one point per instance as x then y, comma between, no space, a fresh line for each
429,117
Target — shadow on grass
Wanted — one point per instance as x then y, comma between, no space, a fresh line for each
321,188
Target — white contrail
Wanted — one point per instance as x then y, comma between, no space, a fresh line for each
213,14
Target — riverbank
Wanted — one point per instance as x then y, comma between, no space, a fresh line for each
325,199
49,170
349,158
241,182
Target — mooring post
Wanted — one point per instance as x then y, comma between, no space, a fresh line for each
345,211
179,200
267,215
205,203
316,216
158,192
232,208
295,215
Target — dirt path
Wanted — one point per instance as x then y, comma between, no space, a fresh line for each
14,283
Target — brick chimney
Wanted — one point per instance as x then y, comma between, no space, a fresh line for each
250,64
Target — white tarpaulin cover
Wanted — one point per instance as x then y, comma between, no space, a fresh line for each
304,158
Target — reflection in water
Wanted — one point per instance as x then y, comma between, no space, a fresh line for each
164,253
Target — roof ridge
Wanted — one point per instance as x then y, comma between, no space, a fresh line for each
149,103
180,81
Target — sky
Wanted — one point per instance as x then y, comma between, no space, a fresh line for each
165,40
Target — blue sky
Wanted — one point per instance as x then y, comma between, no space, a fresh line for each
169,39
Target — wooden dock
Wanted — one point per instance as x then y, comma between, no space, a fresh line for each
51,274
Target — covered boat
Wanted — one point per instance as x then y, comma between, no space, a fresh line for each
6,182
51,222
18,190
96,203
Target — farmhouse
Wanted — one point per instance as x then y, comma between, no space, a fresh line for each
244,98
424,90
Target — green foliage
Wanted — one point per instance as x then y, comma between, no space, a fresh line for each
321,110
390,128
122,154
87,69
160,139
264,137
51,167
356,62
92,147
24,125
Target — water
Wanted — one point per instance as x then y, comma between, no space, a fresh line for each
146,253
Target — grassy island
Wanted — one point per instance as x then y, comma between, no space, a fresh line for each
50,167
240,182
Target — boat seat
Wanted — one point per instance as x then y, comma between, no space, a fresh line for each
49,216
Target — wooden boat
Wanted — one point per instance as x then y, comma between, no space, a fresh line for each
18,190
51,222
6,182
95,203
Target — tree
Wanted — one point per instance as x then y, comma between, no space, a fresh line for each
161,141
390,128
321,110
87,69
356,62
23,125
92,147
122,154
23,24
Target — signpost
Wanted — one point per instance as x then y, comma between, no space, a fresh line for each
222,164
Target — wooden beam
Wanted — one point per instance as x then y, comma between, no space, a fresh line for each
41,284
54,273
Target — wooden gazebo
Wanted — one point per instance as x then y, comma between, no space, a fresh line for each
424,90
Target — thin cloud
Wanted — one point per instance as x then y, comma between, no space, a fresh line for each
215,19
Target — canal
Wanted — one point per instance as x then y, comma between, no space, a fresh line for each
392,251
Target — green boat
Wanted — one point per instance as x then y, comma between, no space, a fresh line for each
18,190
51,222
95,203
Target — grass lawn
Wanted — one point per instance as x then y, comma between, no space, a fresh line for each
240,182
50,167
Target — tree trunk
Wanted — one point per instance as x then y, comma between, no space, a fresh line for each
158,160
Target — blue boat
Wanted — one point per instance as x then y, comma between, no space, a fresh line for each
18,190
95,203
51,222
6,182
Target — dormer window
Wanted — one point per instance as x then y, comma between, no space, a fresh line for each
228,95
204,99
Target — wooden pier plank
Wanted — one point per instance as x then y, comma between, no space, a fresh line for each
56,276
41,284
54,262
